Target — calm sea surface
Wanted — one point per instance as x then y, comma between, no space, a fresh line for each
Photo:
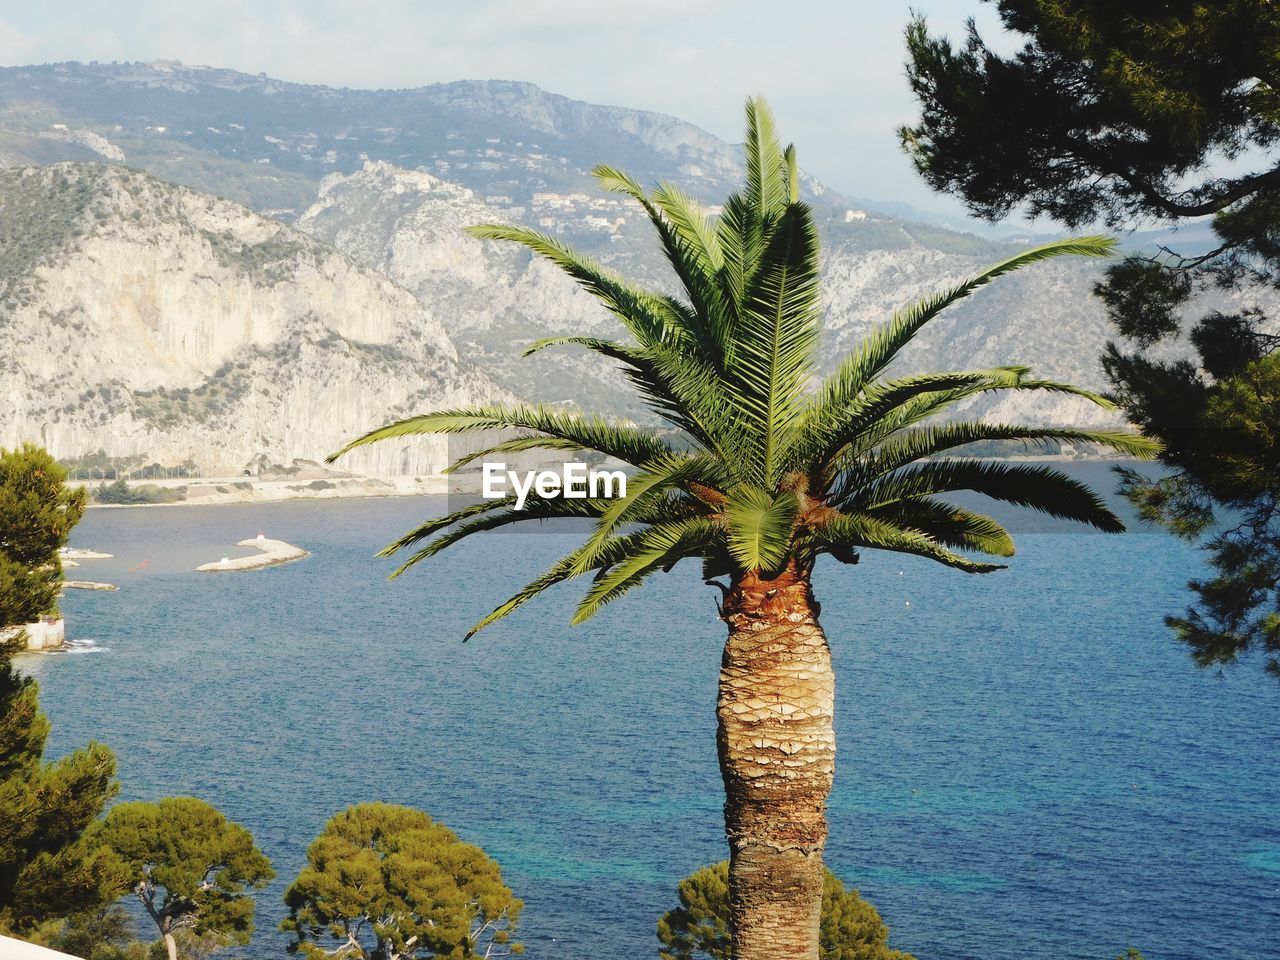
1029,766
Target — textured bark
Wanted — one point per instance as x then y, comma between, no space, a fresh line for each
777,757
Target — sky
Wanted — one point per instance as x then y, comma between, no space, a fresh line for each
833,71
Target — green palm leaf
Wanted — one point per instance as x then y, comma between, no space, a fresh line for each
661,545
779,329
760,527
778,471
846,531
875,406
514,445
859,368
1035,486
627,444
566,568
935,403
535,510
912,445
948,524
767,189
691,248
647,316
644,489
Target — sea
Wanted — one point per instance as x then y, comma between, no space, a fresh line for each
1030,767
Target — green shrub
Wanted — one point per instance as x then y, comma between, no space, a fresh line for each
120,492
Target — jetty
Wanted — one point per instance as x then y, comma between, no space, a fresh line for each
273,552
45,634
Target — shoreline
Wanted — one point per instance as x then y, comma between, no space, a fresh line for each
207,492
214,491
273,553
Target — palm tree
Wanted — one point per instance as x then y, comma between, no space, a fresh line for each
773,470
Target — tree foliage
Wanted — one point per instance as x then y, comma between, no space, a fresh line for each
37,513
104,934
386,882
1121,112
772,466
120,492
189,867
851,928
48,866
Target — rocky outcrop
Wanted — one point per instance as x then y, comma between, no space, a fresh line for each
45,634
496,300
146,319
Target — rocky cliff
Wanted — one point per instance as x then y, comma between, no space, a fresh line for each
496,299
146,319
149,318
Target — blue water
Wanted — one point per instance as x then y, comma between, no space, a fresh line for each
1029,766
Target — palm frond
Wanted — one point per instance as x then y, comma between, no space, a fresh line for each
677,386
535,510
691,248
1036,486
793,173
778,332
742,242
662,545
690,224
949,525
826,433
853,531
879,349
647,316
436,524
566,568
677,470
760,527
689,395
514,445
766,180
609,348
911,445
628,444
934,403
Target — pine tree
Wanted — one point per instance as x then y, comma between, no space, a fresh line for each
1122,113
849,929
37,514
49,866
189,867
388,882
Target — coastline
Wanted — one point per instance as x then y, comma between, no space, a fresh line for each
273,553
321,485
202,492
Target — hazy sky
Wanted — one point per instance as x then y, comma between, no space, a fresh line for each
832,70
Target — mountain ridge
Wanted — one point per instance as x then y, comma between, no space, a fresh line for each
152,320
342,166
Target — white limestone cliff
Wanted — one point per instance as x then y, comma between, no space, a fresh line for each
146,319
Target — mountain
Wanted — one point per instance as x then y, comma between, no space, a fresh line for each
261,141
148,319
496,299
359,201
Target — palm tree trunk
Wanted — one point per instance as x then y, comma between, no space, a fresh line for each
777,750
